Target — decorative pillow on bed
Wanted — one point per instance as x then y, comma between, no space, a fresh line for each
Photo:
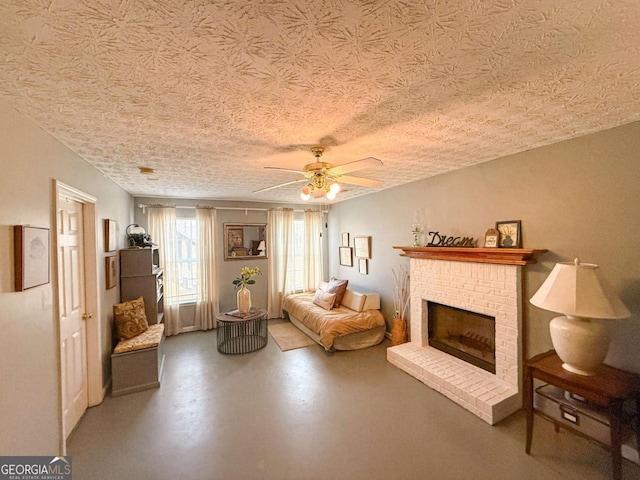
130,318
324,299
338,287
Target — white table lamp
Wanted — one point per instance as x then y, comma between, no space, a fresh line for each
261,247
577,291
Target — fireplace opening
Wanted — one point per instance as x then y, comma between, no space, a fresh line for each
469,336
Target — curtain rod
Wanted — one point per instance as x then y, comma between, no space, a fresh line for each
144,206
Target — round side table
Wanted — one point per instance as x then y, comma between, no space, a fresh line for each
237,335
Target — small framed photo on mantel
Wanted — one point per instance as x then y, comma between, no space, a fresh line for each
491,238
510,233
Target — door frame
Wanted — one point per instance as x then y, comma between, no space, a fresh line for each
95,390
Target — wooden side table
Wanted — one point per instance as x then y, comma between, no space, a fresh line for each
237,335
609,389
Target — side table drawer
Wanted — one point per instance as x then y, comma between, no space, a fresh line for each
583,417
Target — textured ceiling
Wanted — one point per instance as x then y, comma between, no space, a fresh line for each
208,92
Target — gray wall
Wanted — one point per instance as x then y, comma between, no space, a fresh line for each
577,198
228,269
31,160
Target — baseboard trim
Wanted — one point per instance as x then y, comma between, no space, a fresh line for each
106,389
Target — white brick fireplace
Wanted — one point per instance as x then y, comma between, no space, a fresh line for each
474,285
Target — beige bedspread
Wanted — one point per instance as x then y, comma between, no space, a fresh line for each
330,324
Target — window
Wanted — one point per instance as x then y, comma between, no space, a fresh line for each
297,272
186,258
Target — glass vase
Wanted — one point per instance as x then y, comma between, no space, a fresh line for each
244,300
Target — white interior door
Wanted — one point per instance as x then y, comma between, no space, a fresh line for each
73,333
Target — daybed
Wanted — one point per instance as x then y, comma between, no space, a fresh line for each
356,323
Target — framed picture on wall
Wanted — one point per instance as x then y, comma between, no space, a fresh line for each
362,246
510,236
235,239
110,241
345,239
346,257
112,271
363,266
31,254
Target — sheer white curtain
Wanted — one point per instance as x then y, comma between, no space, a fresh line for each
207,296
312,249
162,228
280,259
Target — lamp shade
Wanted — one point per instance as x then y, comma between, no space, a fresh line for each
576,289
261,246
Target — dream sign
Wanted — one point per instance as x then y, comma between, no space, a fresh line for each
438,240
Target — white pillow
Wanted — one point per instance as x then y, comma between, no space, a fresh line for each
324,299
353,300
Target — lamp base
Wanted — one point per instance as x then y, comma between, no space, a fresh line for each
581,343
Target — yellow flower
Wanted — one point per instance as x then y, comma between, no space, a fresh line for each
245,277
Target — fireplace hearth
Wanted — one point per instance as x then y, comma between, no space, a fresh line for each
491,290
481,280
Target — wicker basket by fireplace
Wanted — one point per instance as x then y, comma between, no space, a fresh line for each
398,331
400,304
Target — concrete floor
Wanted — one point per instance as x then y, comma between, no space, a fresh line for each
308,414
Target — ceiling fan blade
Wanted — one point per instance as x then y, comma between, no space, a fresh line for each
368,162
280,185
361,182
286,170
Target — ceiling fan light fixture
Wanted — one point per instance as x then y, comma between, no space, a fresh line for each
305,193
322,178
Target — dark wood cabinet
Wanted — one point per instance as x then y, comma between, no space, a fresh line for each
607,390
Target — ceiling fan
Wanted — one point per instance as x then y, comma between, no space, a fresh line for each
322,178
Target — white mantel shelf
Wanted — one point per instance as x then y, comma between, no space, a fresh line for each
504,256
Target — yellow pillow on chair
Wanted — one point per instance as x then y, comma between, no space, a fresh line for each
130,318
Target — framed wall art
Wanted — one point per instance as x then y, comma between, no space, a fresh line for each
363,266
510,236
346,257
233,239
112,271
31,253
110,233
362,247
345,239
